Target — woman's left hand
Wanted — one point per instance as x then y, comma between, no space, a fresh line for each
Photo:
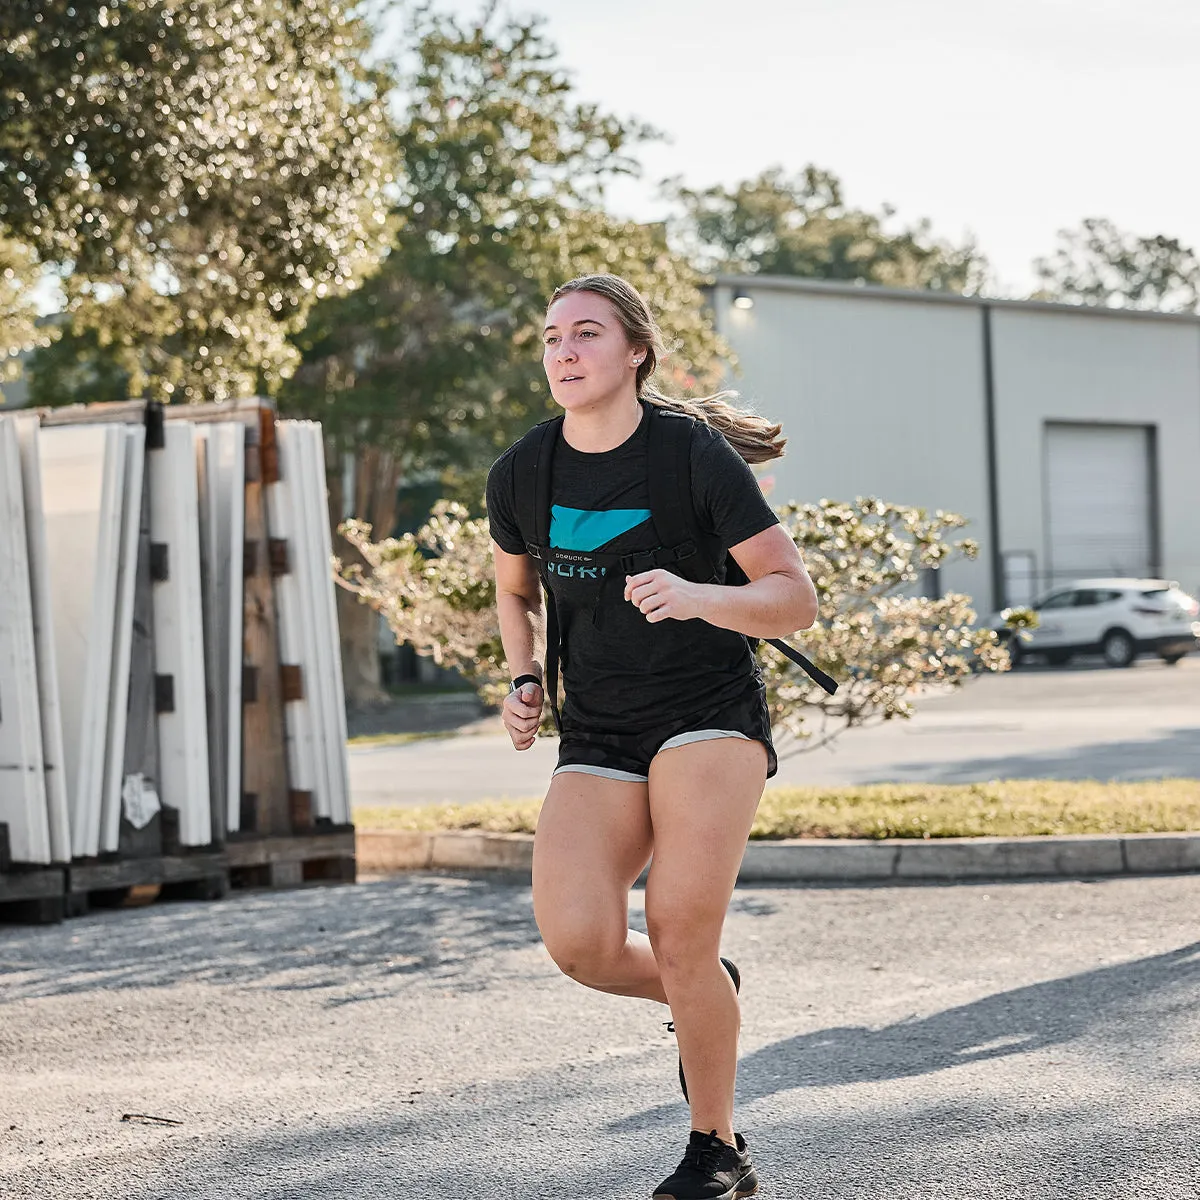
660,595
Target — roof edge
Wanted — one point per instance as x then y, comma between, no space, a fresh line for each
874,291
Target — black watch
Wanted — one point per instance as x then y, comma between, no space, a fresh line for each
521,680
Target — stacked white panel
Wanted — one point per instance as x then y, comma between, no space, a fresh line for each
83,474
296,624
22,769
330,641
316,556
43,636
223,526
122,639
179,633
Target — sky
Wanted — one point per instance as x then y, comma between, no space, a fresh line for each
1006,121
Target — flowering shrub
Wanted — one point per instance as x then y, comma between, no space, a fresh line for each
437,592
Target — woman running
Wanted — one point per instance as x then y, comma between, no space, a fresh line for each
665,738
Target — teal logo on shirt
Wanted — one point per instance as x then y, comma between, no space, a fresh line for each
581,529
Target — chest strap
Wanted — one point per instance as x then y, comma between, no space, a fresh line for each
627,564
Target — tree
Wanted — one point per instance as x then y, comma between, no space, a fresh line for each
200,172
435,362
20,331
436,589
76,369
779,225
1101,264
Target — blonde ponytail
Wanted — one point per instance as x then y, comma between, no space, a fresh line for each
755,438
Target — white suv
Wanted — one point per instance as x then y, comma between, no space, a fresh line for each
1118,618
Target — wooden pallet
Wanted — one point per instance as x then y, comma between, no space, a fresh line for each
29,894
32,896
108,882
323,856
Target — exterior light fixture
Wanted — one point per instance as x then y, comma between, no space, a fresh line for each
742,299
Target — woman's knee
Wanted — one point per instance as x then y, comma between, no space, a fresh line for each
582,928
583,945
682,935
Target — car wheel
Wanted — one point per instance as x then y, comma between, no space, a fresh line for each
1119,649
1170,659
1058,658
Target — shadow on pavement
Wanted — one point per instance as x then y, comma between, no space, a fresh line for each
973,1149
428,929
1091,1004
1176,755
568,1132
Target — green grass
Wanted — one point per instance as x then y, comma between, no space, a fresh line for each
1012,808
397,739
404,691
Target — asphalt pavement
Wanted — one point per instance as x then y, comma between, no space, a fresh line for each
1080,722
410,1038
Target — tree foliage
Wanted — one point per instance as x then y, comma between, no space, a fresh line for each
19,328
877,639
436,358
801,225
436,589
201,173
1101,264
434,364
76,369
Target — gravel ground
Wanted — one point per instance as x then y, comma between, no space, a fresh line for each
410,1038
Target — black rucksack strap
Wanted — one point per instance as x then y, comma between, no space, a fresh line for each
674,517
670,485
552,639
809,668
532,466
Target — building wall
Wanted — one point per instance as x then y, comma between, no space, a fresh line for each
879,397
883,393
1060,365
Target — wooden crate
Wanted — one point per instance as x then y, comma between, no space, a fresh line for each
29,895
279,862
281,842
33,896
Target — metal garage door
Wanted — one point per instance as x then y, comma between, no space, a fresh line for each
1099,508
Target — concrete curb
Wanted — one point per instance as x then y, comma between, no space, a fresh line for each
815,859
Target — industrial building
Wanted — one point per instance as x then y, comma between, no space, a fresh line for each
1068,435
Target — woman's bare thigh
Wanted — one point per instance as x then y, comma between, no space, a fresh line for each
703,797
593,840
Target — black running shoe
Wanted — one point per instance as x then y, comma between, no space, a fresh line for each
736,976
711,1170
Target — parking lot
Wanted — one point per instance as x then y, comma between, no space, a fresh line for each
1084,721
410,1037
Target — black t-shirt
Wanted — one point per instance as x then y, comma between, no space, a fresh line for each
621,673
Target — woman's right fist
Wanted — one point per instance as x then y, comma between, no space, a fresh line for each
522,714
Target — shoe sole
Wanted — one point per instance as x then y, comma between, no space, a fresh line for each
736,976
744,1187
